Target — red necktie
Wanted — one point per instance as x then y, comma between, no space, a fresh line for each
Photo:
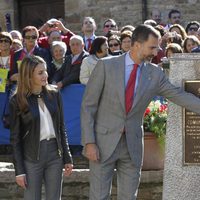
89,44
130,88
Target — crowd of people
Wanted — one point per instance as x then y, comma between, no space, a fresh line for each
54,54
64,51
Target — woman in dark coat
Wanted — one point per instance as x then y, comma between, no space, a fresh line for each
38,134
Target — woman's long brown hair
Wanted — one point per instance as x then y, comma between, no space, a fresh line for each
24,86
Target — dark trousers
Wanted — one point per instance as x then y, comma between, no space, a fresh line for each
49,169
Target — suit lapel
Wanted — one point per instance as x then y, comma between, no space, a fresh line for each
144,82
119,79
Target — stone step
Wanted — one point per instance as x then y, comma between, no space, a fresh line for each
76,186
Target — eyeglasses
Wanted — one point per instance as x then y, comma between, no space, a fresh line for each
52,25
113,45
193,29
28,37
5,41
110,26
87,22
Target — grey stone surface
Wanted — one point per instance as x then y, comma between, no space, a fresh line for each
76,187
180,182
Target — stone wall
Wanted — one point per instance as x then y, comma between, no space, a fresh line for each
123,11
126,11
77,186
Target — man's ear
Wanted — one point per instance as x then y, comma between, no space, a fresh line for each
137,44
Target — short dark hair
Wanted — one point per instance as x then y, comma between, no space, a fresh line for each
29,28
172,12
142,32
96,44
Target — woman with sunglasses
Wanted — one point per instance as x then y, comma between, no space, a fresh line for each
30,36
192,28
114,45
38,134
6,55
99,49
5,50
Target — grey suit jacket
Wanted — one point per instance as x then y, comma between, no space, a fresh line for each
103,115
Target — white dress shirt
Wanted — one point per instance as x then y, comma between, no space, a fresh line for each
46,124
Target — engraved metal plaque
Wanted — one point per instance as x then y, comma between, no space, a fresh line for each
191,128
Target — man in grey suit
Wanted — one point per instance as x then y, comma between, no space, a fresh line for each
112,135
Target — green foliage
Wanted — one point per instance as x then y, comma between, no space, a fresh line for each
155,119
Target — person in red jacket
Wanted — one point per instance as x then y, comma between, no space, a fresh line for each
52,26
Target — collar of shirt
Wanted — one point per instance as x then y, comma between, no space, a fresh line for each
92,37
129,67
75,57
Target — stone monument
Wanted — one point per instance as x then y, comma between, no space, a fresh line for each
181,177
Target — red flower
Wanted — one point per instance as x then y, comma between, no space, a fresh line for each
163,107
147,111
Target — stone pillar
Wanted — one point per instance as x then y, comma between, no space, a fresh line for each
180,182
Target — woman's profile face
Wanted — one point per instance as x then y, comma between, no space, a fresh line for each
104,49
39,76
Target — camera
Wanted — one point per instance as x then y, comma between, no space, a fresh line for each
165,63
52,25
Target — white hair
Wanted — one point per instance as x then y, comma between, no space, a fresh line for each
78,37
59,43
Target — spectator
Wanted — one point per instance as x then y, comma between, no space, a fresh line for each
30,35
114,45
5,50
99,49
190,43
58,51
192,28
156,16
172,37
16,45
174,17
55,36
170,50
126,41
108,25
173,48
88,28
16,35
51,26
70,71
127,28
178,29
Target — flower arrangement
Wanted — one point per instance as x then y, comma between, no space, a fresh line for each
155,119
